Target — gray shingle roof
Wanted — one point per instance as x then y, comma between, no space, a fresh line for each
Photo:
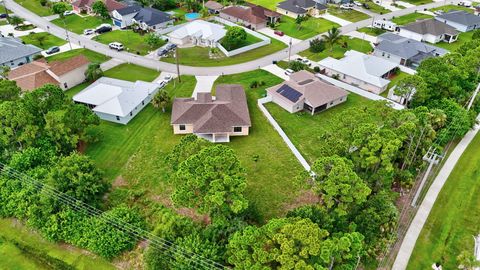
405,47
460,16
152,16
299,6
431,26
12,49
129,10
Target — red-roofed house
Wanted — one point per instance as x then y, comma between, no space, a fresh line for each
86,5
251,16
65,74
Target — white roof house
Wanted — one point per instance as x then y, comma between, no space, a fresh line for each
366,71
201,33
116,100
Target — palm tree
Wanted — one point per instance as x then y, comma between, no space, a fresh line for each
93,72
15,20
40,38
161,100
299,20
332,37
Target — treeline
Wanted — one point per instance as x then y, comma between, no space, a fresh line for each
39,134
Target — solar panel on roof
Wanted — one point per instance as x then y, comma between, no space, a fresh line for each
290,93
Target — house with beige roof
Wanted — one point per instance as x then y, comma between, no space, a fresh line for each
65,74
430,30
251,16
215,119
305,92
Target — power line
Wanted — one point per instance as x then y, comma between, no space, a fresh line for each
199,261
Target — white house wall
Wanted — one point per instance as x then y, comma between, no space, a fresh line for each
410,34
73,78
355,82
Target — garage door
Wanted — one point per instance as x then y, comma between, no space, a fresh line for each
117,23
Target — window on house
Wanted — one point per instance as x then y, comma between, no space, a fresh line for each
237,129
143,102
118,118
131,113
383,54
182,127
331,103
65,85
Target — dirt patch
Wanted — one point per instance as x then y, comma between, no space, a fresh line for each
119,182
306,197
81,147
191,213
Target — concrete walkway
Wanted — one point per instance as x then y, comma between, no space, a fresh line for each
360,92
204,84
10,29
406,249
64,48
335,19
285,39
363,36
51,17
282,133
277,71
405,4
111,64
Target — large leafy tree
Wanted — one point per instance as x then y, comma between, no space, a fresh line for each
338,186
234,37
189,145
161,100
59,8
100,9
212,181
9,90
93,72
332,37
408,86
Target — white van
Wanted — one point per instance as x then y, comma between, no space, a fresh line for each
116,46
387,25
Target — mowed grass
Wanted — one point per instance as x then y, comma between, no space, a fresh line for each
305,130
94,57
199,56
453,221
310,28
77,24
270,4
131,72
463,38
409,18
50,40
339,49
248,41
349,15
35,7
448,8
418,2
11,257
372,31
133,42
136,152
374,7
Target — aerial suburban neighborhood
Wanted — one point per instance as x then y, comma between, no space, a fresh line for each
239,134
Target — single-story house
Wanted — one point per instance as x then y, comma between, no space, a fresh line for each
213,7
295,8
146,18
14,53
460,20
213,119
251,16
66,74
198,33
404,51
477,10
304,91
86,5
368,72
430,30
116,100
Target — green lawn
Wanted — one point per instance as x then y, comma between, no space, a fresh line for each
77,24
249,41
453,221
419,2
270,4
3,22
305,130
310,28
462,39
133,42
406,19
94,57
452,7
131,72
35,7
12,257
339,49
349,15
136,152
50,40
372,31
199,56
75,90
374,7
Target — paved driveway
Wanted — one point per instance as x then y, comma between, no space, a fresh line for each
204,84
277,71
7,29
285,39
335,19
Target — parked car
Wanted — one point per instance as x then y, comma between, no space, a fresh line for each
465,3
68,12
366,6
438,12
53,49
167,78
3,15
88,32
162,52
170,46
103,28
345,6
116,46
357,3
279,33
161,84
288,72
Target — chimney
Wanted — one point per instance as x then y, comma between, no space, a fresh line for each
204,97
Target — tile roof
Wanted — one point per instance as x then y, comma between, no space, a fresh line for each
129,10
300,6
200,29
367,68
245,13
405,47
431,26
315,91
12,49
110,4
460,17
213,5
83,3
35,81
151,16
229,109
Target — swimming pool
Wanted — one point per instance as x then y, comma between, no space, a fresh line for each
192,16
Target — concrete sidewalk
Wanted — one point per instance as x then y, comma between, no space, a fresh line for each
335,19
406,249
277,71
111,64
363,36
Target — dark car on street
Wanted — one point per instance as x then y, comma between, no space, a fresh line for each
53,49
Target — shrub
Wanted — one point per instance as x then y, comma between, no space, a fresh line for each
317,45
254,84
296,65
316,69
476,34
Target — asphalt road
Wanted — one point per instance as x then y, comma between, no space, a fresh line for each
199,71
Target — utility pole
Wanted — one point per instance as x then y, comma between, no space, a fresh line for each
289,49
472,99
178,64
66,31
433,159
